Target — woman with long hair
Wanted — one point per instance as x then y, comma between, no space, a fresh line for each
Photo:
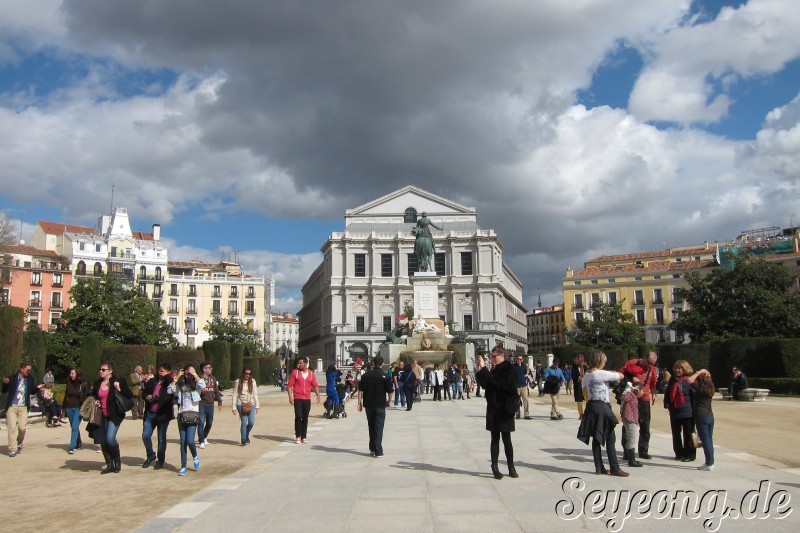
679,400
577,371
598,421
502,402
187,392
76,392
106,386
703,415
245,402
158,413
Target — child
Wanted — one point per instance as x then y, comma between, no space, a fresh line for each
630,421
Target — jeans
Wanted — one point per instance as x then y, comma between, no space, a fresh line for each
188,434
108,433
611,451
454,389
376,416
206,420
705,431
148,426
302,408
248,421
399,395
74,416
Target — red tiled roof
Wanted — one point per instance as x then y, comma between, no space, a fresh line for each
655,266
196,263
653,255
24,249
142,236
57,228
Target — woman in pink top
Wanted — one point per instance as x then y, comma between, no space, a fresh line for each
301,381
104,389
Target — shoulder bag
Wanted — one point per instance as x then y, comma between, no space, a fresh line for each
124,404
190,418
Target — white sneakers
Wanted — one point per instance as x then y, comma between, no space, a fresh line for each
203,444
297,441
707,468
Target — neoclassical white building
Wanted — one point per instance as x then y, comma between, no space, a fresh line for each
355,295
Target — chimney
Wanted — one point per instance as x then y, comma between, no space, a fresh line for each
156,232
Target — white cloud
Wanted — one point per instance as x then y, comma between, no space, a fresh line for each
680,84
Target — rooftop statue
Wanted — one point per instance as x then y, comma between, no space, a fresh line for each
423,246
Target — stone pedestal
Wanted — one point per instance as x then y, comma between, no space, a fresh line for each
426,294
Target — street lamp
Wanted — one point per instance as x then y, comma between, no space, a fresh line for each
597,337
187,323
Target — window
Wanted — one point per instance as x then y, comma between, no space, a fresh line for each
98,269
675,298
217,292
360,265
142,272
578,301
637,278
158,272
5,295
98,247
386,266
612,280
81,268
82,246
55,300
113,251
173,305
612,298
387,323
658,297
233,307
173,289
36,278
192,290
595,282
439,263
578,317
657,276
250,307
466,263
251,292
595,298
360,323
157,292
638,298
173,324
410,216
659,315
578,282
36,298
234,292
468,323
412,264
57,280
143,288
191,306
216,307
640,317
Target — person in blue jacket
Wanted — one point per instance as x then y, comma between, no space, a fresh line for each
553,378
331,376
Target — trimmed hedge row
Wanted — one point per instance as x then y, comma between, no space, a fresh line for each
268,365
758,357
254,363
91,356
125,357
34,350
776,385
219,353
180,358
11,327
237,354
697,355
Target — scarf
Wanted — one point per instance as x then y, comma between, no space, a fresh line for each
676,397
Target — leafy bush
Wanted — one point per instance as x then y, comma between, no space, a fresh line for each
255,365
237,353
91,354
11,327
34,350
125,357
180,358
758,357
776,385
219,353
268,365
697,355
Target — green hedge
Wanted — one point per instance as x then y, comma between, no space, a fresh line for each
125,357
776,385
268,365
180,358
237,353
219,353
12,323
758,357
255,365
697,355
91,354
34,350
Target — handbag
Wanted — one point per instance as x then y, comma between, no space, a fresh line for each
190,418
87,408
123,404
246,408
696,440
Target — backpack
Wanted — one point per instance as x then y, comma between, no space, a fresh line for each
619,389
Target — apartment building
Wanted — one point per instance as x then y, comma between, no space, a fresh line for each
282,333
546,329
37,281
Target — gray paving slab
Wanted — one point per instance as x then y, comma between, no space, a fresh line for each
436,471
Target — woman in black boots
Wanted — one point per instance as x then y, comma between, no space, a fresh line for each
502,401
104,389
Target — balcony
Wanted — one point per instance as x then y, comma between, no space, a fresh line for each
150,278
249,311
658,300
233,312
58,285
638,301
36,283
578,305
173,292
192,311
172,310
35,304
234,294
216,312
191,331
215,294
55,305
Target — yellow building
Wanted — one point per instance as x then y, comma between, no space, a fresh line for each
644,283
545,329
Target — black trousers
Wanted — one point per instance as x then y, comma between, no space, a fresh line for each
409,391
302,408
684,448
494,447
644,426
437,393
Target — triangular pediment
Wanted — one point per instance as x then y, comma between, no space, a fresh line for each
410,196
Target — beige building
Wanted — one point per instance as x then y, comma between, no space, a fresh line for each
546,329
644,283
281,333
353,299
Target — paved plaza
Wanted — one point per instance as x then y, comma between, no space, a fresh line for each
435,476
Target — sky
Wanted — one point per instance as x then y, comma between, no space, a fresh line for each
247,128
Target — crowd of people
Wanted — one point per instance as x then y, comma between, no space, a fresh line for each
152,396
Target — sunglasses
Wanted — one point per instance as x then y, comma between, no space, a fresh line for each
247,373
103,369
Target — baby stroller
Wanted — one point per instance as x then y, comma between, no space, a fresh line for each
335,411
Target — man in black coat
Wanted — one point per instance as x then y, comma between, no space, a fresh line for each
374,395
19,386
502,402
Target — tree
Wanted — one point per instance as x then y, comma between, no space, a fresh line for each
8,233
609,327
234,330
751,300
111,309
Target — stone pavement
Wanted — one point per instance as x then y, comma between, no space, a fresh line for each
435,477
